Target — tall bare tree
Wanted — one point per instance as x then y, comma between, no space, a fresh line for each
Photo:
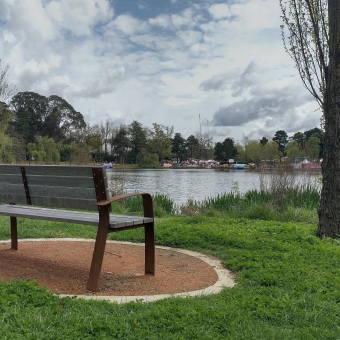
7,89
313,42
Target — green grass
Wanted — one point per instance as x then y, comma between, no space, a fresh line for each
162,204
287,287
297,204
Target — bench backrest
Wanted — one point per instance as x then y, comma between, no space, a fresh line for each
77,187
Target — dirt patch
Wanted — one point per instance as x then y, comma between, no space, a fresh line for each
63,267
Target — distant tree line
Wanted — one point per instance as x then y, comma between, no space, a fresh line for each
48,129
36,128
301,144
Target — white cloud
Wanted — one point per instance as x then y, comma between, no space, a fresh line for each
161,21
184,19
129,25
166,66
78,16
105,83
219,11
30,19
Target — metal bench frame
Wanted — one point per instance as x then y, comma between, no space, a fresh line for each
72,187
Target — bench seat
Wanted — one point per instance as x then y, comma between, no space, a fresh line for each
78,217
61,194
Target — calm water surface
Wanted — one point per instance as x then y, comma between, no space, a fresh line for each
183,184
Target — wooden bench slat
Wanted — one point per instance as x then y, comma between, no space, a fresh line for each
11,179
60,191
59,170
10,169
78,217
13,189
60,202
59,181
10,197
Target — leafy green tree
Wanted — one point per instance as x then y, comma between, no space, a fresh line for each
160,140
253,151
148,160
241,156
75,153
299,138
38,116
293,150
230,150
120,144
61,119
281,139
218,152
138,139
225,150
6,142
264,141
270,151
192,144
312,148
316,132
178,147
44,150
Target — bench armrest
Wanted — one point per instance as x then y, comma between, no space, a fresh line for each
147,202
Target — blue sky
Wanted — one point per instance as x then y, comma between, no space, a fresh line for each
160,61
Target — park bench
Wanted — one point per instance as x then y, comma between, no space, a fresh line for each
44,192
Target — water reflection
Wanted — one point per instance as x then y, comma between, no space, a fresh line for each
183,184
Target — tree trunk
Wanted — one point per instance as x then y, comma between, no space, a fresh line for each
329,211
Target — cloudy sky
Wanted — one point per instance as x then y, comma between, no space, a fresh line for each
160,61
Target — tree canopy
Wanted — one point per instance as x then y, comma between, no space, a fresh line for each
39,116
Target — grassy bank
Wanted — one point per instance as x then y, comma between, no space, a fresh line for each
297,204
287,287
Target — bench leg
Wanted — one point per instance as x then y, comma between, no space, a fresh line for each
97,258
149,235
14,233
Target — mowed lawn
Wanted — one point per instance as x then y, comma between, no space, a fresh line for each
288,287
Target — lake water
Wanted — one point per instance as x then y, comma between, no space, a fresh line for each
183,184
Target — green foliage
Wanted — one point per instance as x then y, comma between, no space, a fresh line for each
120,144
75,153
281,138
312,148
162,205
287,287
253,151
178,147
137,135
148,160
44,150
160,140
289,204
7,154
226,150
293,150
6,144
293,204
51,117
193,146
